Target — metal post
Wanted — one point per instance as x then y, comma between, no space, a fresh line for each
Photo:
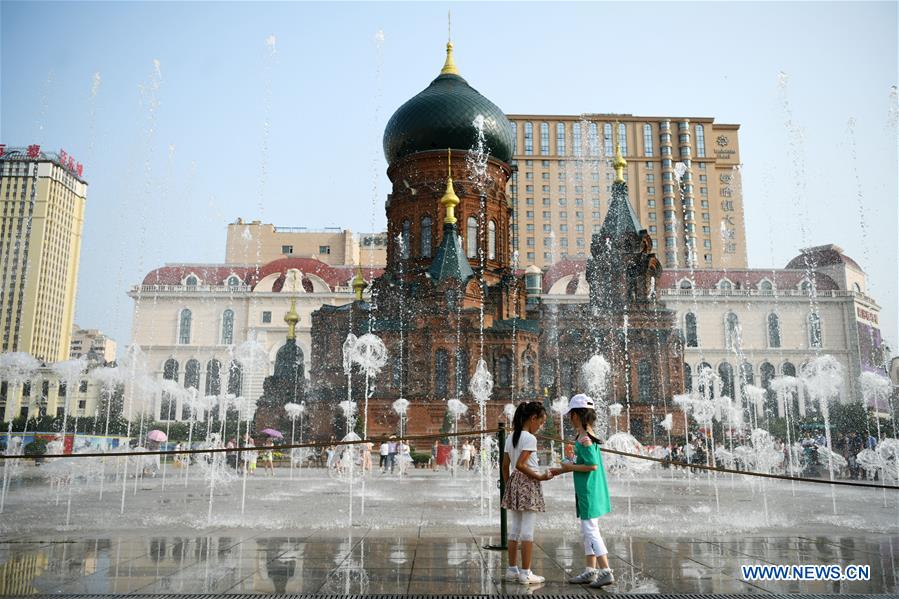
503,532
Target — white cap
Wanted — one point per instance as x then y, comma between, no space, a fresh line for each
580,401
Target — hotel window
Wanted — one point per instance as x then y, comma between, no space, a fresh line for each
594,189
652,216
546,201
576,139
530,214
563,215
530,201
184,327
547,242
529,188
685,152
287,249
491,240
579,228
324,249
701,166
544,139
530,255
545,189
650,178
669,242
652,228
651,190
683,138
579,215
703,191
560,139
668,188
529,176
647,140
704,203
622,138
651,203
669,215
529,228
593,138
595,215
707,243
666,150
702,178
669,228
706,230
547,228
544,163
607,140
530,242
545,176
649,166
547,215
563,242
426,236
700,141
705,216
529,163
594,202
561,189
578,201
528,139
563,228
514,137
690,333
228,327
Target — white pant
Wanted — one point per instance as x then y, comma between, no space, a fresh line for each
521,525
593,544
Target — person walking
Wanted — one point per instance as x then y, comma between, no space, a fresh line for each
268,458
466,455
391,453
524,496
435,448
384,451
591,493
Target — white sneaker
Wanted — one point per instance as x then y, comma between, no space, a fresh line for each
585,577
527,577
512,573
603,577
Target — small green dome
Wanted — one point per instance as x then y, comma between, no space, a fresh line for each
443,116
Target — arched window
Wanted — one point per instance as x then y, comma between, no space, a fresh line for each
702,376
426,237
527,370
726,373
184,327
471,237
607,140
647,140
622,138
544,139
461,373
856,287
644,380
690,333
767,372
528,138
213,377
235,378
504,373
814,330
233,281
191,281
593,139
748,376
700,141
725,285
766,287
491,240
788,369
192,375
560,139
396,369
773,330
731,330
806,286
576,139
688,378
170,370
404,240
685,284
228,327
441,373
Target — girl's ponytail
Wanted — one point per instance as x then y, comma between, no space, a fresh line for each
587,418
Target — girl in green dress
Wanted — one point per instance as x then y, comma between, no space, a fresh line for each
591,492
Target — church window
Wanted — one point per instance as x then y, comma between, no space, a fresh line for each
404,239
773,331
471,237
228,327
491,240
441,373
184,322
690,332
426,237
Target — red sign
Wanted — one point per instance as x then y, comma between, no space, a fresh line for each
2,150
68,162
34,151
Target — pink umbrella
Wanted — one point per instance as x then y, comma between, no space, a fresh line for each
157,435
272,433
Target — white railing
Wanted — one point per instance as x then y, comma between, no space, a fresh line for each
760,293
190,288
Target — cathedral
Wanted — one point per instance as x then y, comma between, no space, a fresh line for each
451,292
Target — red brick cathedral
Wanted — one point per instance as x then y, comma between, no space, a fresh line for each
449,293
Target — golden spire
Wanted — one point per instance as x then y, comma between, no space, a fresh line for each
292,318
359,283
618,163
449,200
449,67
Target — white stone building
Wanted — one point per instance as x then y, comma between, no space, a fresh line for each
191,319
770,321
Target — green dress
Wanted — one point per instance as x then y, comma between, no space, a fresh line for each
590,489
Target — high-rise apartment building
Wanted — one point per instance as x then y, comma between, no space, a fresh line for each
259,243
683,176
43,198
92,343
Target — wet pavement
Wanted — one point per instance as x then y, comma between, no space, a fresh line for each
416,561
308,532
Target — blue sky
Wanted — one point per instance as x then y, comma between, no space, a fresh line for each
172,155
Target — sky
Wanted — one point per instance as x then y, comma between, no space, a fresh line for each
187,116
